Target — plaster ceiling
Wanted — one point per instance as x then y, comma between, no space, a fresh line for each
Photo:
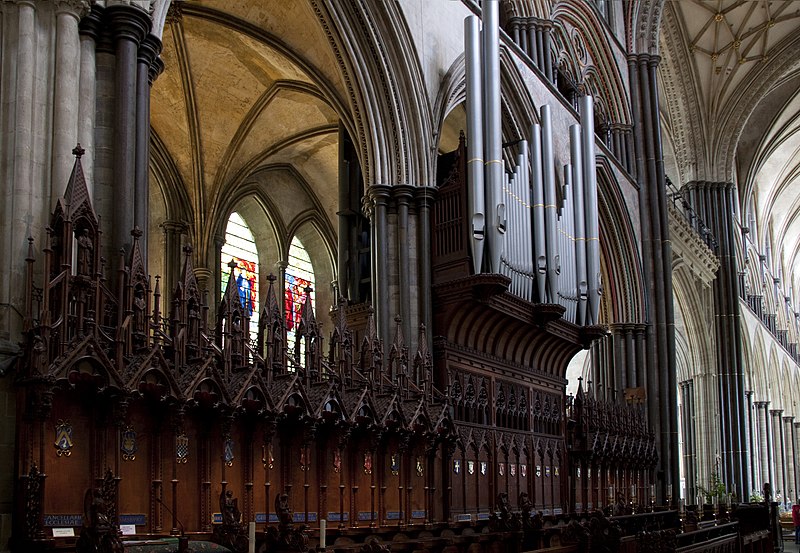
728,43
247,85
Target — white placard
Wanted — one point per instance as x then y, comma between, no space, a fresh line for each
127,529
63,532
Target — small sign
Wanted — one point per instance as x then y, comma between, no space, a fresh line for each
127,529
63,532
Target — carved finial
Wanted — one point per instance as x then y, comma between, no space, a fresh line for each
77,151
232,264
187,250
136,233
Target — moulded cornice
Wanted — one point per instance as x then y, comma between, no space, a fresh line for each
693,252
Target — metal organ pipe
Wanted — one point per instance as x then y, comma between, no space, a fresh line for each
552,251
590,198
578,215
495,209
550,210
475,140
538,227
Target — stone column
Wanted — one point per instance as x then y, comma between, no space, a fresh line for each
129,26
87,92
21,202
145,75
425,196
173,230
796,442
752,458
378,195
403,195
66,93
765,474
778,451
788,446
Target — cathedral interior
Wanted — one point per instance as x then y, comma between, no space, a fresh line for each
413,271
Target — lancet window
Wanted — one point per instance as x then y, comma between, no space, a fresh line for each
240,247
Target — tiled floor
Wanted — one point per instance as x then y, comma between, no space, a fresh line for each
790,547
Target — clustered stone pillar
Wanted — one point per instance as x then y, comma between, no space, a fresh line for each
689,439
378,197
66,91
116,43
788,447
715,204
777,451
659,370
533,35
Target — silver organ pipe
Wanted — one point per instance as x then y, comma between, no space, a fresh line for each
539,243
550,208
578,216
495,210
592,220
475,140
548,248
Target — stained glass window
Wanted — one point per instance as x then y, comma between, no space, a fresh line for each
240,246
299,276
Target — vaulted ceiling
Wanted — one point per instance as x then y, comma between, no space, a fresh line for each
731,111
247,86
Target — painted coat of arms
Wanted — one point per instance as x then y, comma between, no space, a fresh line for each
471,467
228,453
523,470
368,463
484,467
420,466
457,466
182,448
395,467
63,441
128,443
501,469
337,461
512,469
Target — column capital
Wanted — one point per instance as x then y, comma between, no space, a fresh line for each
129,22
149,49
788,419
75,8
775,412
403,193
91,23
425,195
761,404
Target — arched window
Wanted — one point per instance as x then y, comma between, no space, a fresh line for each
240,246
299,276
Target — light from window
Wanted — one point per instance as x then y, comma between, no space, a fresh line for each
299,276
240,246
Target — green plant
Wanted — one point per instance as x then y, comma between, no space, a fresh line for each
716,488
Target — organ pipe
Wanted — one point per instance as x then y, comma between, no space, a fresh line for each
550,210
495,210
552,251
475,140
578,214
590,198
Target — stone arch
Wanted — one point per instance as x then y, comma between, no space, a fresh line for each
580,33
642,24
391,114
619,256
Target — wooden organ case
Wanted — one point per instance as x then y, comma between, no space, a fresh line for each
502,361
